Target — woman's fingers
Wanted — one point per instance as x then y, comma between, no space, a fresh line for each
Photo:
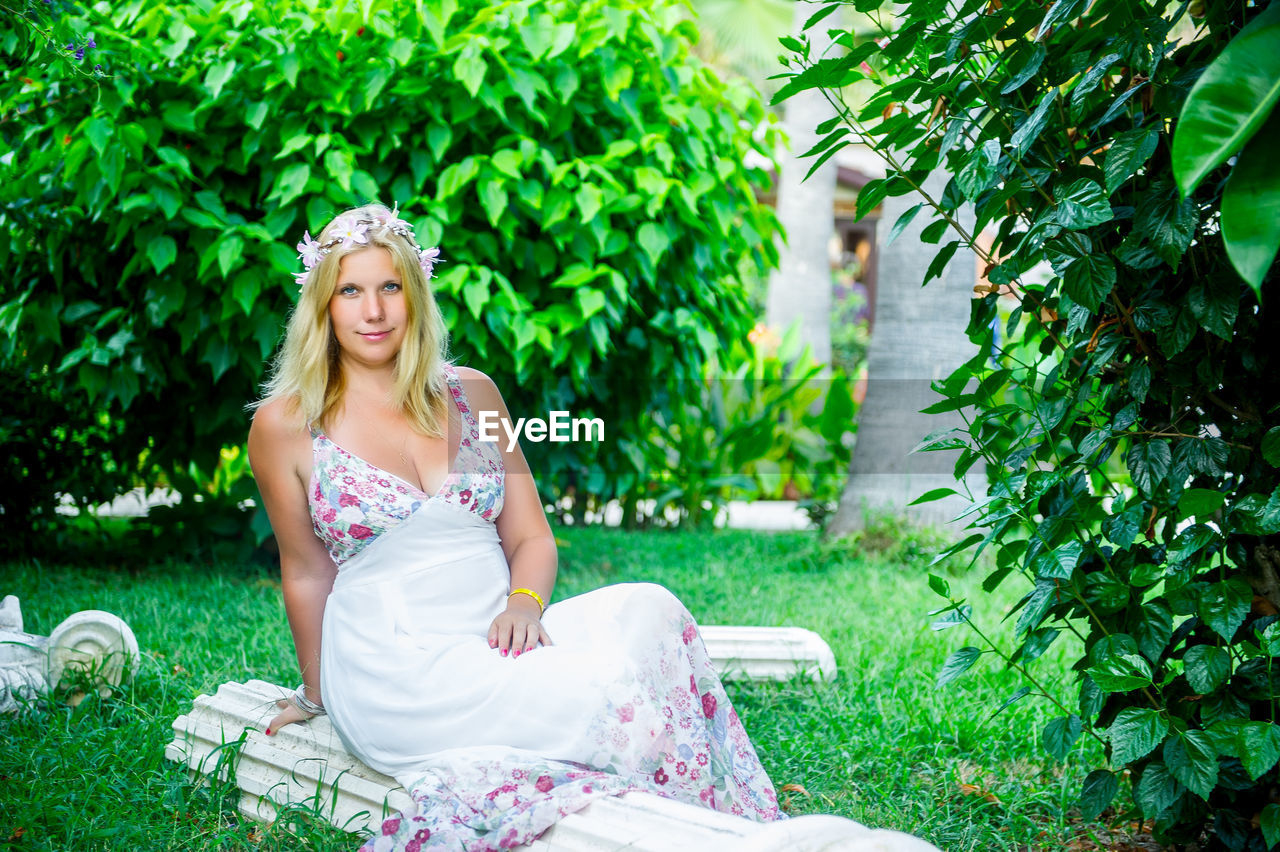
519,632
500,634
513,636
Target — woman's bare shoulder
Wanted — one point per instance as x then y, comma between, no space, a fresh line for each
480,388
473,375
279,419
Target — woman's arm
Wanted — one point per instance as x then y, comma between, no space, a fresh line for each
526,536
280,455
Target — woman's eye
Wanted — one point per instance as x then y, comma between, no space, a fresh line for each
391,287
347,291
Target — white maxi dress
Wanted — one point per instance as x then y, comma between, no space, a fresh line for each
495,749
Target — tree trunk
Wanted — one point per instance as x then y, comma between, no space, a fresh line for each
918,335
800,288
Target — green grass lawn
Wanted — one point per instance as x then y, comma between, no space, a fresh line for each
880,745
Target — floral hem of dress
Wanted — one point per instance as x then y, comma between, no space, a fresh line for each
495,804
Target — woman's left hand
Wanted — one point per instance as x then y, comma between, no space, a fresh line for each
518,629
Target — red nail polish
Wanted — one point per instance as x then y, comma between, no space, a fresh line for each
268,732
517,653
504,652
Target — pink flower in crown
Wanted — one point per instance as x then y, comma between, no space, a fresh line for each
300,278
309,251
393,221
350,230
427,260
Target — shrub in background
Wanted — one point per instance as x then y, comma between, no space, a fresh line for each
1094,139
49,439
764,422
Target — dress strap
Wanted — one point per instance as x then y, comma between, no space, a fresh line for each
460,398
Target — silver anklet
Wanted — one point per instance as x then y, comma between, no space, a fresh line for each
300,700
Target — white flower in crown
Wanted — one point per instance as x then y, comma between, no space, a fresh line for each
350,230
427,260
309,251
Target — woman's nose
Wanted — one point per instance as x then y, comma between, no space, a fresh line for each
373,307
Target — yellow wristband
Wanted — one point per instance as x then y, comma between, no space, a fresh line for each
531,593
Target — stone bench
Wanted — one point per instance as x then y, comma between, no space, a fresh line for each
308,765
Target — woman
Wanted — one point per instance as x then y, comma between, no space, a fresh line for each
416,564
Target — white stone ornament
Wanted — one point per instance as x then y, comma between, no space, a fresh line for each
307,764
92,645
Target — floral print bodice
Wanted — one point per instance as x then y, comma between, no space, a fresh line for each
353,501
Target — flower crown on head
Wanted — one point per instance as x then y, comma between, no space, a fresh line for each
350,230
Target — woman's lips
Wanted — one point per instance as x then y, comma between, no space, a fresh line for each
375,336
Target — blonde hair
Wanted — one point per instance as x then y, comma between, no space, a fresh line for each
306,371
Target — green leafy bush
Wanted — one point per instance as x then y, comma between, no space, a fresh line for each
762,423
50,438
1126,411
583,174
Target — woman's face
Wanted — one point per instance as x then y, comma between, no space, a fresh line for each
368,309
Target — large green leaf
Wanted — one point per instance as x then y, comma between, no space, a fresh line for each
1149,464
1259,747
1121,672
1081,205
1192,760
1129,151
1224,605
1135,733
1271,824
1207,666
958,662
1099,788
1157,790
1166,221
162,251
1251,206
1229,102
1060,735
1271,446
1089,279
